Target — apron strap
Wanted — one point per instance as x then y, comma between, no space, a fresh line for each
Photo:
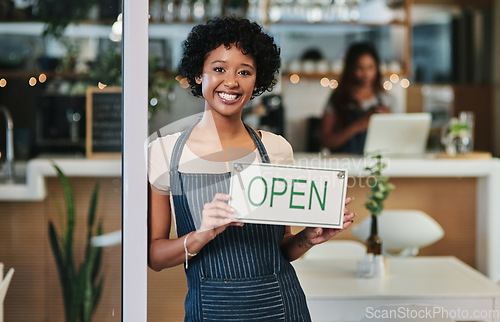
178,147
260,146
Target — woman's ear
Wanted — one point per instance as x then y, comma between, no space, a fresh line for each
198,80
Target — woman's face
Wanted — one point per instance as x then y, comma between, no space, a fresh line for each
228,80
365,71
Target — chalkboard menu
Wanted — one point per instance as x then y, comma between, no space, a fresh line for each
104,122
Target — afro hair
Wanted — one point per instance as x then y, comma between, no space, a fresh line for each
249,37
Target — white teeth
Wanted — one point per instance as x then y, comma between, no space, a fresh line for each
228,97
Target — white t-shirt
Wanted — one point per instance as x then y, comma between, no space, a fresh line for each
160,152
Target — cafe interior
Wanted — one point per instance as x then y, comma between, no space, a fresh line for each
426,236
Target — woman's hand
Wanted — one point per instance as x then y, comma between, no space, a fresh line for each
361,124
311,236
384,109
217,215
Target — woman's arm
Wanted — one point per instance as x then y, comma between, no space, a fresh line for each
294,246
165,252
331,138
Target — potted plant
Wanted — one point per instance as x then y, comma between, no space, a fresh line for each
380,188
81,286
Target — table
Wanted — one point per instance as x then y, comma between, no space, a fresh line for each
335,293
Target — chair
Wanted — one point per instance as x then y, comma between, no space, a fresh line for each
4,285
406,312
339,248
403,232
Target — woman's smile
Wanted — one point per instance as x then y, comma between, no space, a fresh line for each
229,98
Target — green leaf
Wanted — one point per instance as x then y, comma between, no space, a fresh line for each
64,277
98,256
86,289
91,218
79,292
57,251
70,215
59,211
93,207
97,293
379,185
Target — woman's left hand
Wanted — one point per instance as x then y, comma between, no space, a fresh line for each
384,109
317,235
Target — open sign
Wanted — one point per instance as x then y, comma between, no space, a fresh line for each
288,195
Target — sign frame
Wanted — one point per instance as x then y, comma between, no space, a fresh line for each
236,180
90,153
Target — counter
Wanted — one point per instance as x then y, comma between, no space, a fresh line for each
37,169
486,172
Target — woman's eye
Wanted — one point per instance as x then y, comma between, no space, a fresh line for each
218,69
245,73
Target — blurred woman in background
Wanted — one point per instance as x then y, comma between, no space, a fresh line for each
359,95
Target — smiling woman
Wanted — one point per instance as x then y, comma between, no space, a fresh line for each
227,61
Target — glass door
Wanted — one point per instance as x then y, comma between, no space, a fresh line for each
61,101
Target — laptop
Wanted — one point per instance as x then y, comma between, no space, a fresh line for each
398,134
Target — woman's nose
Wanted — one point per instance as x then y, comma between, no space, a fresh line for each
230,80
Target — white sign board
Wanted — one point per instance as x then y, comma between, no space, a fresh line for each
288,195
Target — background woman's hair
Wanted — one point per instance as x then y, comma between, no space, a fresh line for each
342,96
225,31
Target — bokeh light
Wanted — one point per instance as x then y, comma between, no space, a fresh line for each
325,82
405,83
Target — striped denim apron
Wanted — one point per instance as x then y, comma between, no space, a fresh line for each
241,275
